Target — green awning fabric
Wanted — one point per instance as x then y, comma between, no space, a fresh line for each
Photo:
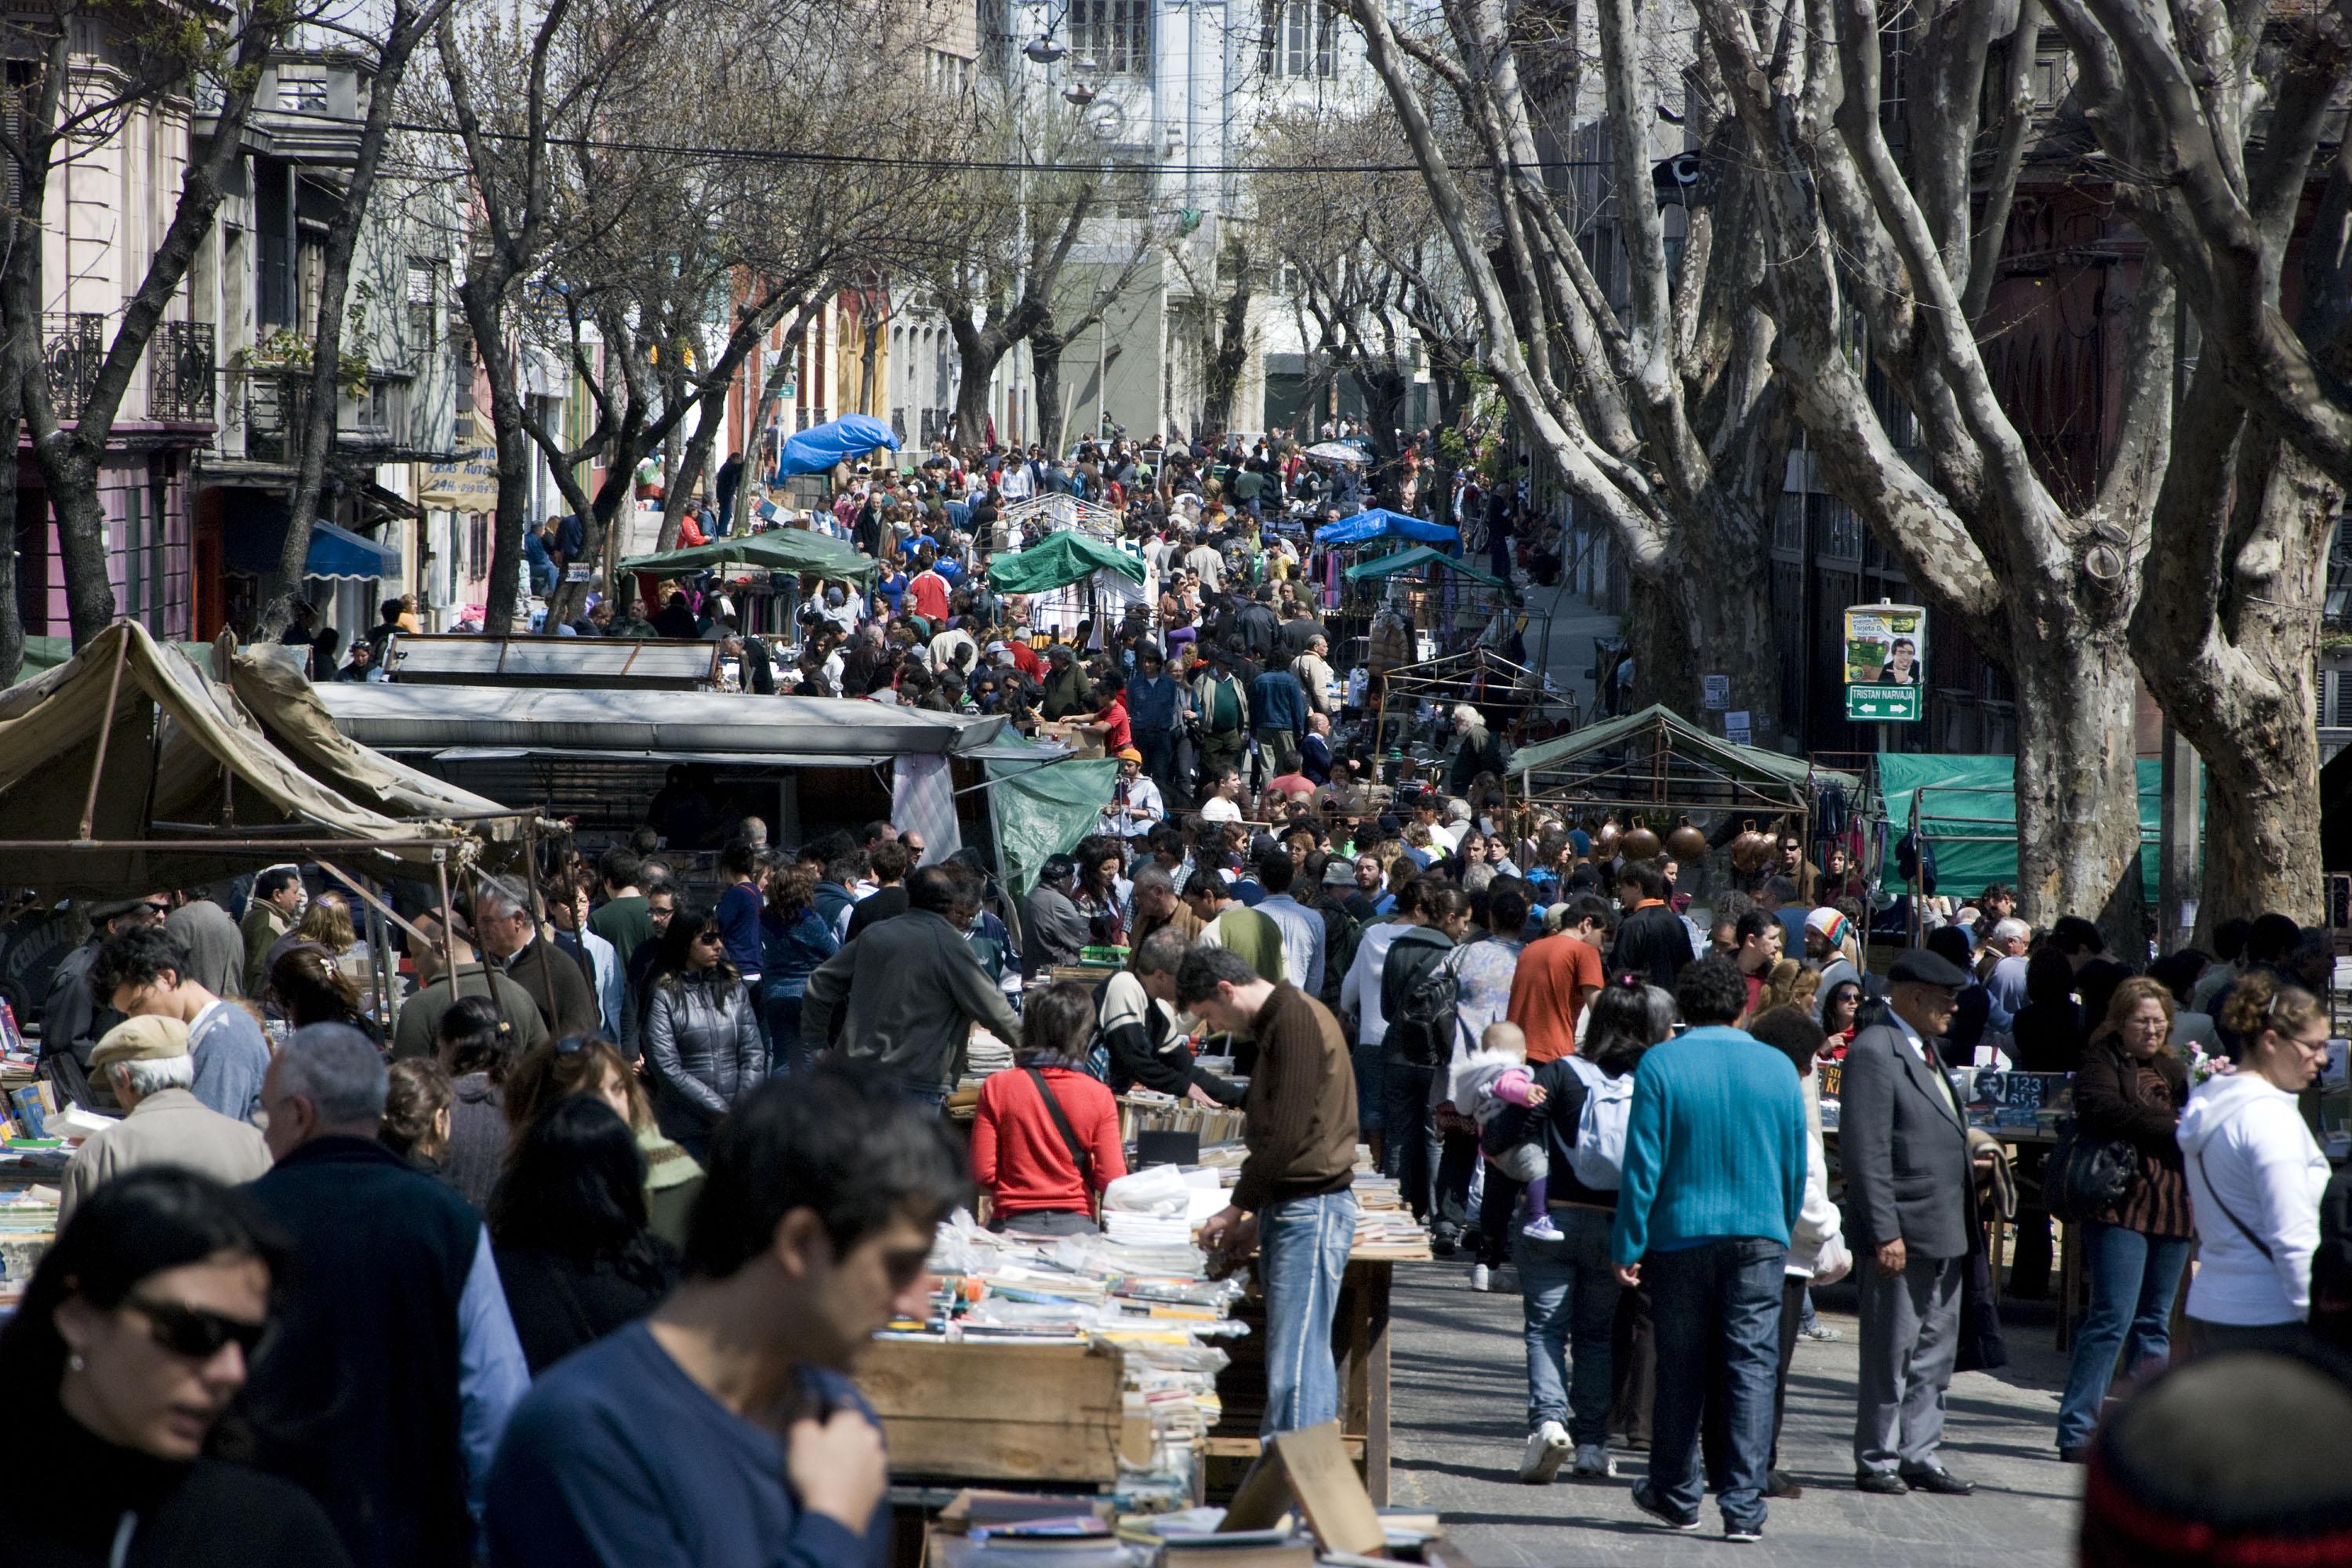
796,550
43,654
1419,556
1749,763
1043,808
1057,560
1975,798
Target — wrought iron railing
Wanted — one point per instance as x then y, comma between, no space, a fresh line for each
180,372
73,347
274,403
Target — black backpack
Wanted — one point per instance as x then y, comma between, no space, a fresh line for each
1421,1032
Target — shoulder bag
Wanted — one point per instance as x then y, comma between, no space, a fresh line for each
2084,1177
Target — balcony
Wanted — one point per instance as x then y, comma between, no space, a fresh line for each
274,406
180,372
73,347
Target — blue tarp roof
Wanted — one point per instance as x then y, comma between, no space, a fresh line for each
1380,522
819,447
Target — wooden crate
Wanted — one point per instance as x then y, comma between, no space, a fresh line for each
996,1412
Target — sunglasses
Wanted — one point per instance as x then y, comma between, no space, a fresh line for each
194,1333
710,938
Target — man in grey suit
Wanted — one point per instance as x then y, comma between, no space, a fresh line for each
1905,1141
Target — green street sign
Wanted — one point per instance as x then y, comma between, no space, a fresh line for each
1883,704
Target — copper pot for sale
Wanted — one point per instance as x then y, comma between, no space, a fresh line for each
1686,844
1639,844
1604,843
1751,851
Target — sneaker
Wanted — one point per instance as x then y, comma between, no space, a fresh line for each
1742,1533
1481,1276
1540,1228
1548,1445
1821,1333
1594,1460
1657,1511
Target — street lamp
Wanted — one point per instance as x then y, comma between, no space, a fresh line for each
1078,95
1043,49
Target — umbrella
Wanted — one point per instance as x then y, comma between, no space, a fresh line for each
1338,452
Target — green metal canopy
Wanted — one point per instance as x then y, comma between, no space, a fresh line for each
1057,560
1681,764
795,550
1419,556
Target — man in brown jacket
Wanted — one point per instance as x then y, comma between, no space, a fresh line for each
1298,1176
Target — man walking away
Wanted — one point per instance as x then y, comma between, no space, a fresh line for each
1714,1181
724,1427
1904,1141
395,1363
1299,1177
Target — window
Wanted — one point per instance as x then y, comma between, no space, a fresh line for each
301,95
146,551
478,545
424,304
1131,190
1114,34
1295,37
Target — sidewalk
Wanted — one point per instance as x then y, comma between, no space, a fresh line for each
1574,624
1459,1416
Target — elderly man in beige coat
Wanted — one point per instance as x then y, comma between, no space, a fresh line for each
146,1061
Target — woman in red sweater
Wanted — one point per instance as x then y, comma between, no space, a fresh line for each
1038,1178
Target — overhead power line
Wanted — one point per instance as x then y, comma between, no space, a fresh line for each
949,165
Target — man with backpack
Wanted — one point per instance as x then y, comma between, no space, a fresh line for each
1420,991
1714,1178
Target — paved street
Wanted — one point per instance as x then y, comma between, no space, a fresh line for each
1460,1392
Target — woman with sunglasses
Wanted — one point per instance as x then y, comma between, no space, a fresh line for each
125,1362
2255,1176
703,1038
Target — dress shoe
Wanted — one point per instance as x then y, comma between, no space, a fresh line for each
1782,1485
1885,1483
1934,1478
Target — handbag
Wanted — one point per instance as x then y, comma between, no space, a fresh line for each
2084,1177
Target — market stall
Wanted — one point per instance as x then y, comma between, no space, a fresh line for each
1072,579
769,567
1414,707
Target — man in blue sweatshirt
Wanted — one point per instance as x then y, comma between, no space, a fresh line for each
724,1428
1713,1177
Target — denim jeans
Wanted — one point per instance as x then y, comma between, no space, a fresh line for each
782,1014
1715,1310
2133,1279
1302,1246
1569,1292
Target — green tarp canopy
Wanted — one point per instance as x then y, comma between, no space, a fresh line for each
1720,758
1419,556
794,549
1043,807
1057,560
1975,798
43,654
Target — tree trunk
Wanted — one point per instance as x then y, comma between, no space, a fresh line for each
12,623
1046,375
979,351
2078,783
1230,353
868,353
1689,624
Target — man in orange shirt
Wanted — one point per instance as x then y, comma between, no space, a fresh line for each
1556,975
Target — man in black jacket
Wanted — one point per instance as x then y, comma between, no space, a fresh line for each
394,1363
1651,941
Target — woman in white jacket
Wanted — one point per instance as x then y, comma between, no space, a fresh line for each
1817,1249
2255,1173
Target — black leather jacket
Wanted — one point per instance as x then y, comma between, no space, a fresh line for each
703,1041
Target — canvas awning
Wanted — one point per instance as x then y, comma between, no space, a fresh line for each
819,447
1419,556
1058,560
1966,806
792,550
1043,804
806,732
183,762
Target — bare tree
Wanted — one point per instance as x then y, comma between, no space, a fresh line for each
2214,120
60,112
1660,410
394,43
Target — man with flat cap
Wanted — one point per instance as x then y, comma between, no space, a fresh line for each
147,1063
1904,1142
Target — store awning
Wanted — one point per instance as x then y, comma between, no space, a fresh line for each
338,553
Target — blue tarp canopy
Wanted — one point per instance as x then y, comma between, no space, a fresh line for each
335,552
1378,524
819,447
